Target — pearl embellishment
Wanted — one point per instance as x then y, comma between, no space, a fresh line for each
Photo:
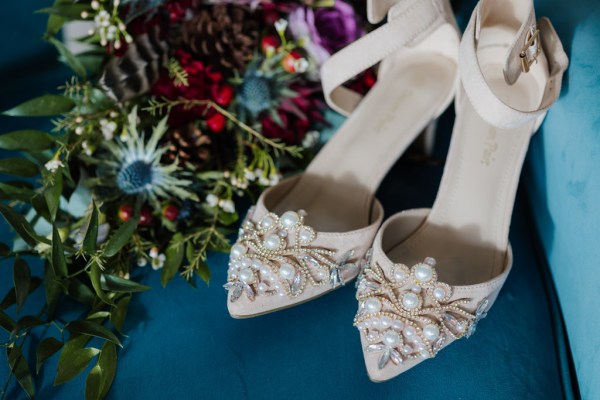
267,222
272,242
287,271
238,250
439,293
391,338
431,332
410,300
423,272
289,219
246,275
372,305
399,274
305,235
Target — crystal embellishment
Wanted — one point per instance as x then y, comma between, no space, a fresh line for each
274,256
416,317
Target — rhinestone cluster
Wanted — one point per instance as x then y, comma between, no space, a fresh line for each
408,314
274,257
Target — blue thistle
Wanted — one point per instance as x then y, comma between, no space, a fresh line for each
255,93
135,177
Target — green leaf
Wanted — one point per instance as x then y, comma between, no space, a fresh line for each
16,192
116,284
70,59
228,218
4,249
59,262
95,277
43,106
120,312
203,270
174,253
21,226
46,349
81,292
102,375
53,290
91,235
20,369
120,237
99,314
28,321
38,202
74,359
26,140
11,296
91,328
18,167
52,193
67,11
21,279
7,322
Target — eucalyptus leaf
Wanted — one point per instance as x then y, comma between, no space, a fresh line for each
16,192
26,140
91,235
119,313
80,292
120,285
203,270
28,321
38,202
69,58
120,237
21,226
18,167
21,279
69,11
74,359
175,253
6,322
44,106
11,296
59,262
46,349
53,193
20,369
95,277
53,290
102,375
91,328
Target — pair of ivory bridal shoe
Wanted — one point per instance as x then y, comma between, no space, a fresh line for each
425,277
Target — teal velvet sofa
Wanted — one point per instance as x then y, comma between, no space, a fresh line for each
540,341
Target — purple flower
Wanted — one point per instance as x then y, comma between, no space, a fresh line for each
324,30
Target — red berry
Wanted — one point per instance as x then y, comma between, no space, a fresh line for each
146,217
125,212
170,212
289,61
216,122
269,41
223,94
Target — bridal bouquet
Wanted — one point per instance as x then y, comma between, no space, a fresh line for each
175,110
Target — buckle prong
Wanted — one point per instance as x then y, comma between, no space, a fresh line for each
532,41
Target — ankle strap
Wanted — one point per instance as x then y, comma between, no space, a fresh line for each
533,42
409,22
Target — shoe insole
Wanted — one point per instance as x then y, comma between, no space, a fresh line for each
467,229
337,190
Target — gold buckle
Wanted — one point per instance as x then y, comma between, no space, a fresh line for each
532,40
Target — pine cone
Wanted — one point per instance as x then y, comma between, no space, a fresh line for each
222,35
188,145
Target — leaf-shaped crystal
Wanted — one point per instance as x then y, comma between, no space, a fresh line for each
384,359
375,347
439,342
295,285
249,291
395,357
334,278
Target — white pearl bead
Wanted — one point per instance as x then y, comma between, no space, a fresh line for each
367,324
282,233
271,278
265,271
272,242
399,274
439,293
236,265
398,325
386,322
289,219
277,286
262,288
371,335
409,331
322,274
406,349
237,250
431,332
430,261
375,324
416,289
421,347
246,275
410,300
233,275
372,305
305,235
246,262
267,222
423,272
287,271
391,339
256,264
